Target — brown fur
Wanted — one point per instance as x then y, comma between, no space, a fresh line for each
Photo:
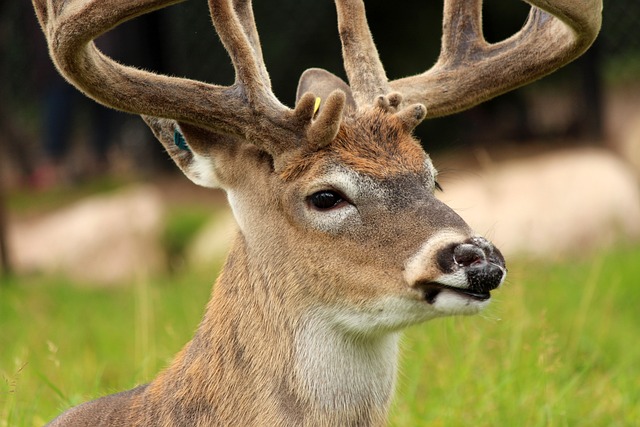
302,325
374,143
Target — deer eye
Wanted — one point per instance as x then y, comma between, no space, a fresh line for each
326,199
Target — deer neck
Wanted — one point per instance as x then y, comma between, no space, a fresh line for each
342,373
257,344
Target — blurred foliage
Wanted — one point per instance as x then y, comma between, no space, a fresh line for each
182,225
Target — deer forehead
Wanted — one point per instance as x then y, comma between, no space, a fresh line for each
380,156
371,143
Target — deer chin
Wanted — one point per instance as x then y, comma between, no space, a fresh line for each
453,300
433,289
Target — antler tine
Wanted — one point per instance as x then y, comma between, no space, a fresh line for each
244,12
470,70
462,26
235,26
365,72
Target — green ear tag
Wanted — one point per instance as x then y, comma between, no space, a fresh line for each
179,140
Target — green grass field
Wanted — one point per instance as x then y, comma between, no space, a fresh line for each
558,347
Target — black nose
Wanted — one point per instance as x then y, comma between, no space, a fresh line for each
482,263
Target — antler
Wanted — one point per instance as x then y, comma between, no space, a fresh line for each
248,108
470,70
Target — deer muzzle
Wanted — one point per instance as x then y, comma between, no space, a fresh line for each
471,269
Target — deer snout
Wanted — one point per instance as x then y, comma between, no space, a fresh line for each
481,263
457,277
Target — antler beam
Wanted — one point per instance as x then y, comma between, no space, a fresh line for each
362,63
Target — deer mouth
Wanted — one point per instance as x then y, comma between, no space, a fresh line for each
431,291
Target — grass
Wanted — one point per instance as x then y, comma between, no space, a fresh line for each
62,345
557,348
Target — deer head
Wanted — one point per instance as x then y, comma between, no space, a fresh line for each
342,241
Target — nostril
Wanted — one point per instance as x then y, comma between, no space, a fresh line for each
467,255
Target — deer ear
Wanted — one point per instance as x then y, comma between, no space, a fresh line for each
321,83
192,148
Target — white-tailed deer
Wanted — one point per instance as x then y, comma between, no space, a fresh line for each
342,242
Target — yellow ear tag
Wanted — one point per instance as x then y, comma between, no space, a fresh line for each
316,106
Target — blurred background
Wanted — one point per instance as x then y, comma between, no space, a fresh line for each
88,199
